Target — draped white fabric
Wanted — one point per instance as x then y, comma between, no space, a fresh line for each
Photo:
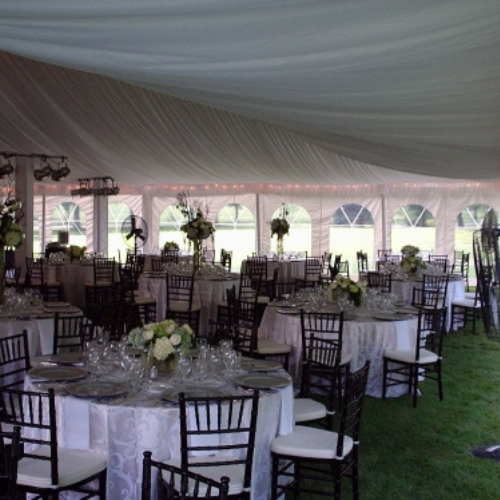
216,91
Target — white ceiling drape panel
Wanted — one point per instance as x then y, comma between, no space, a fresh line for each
275,91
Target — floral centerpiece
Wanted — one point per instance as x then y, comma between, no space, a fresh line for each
198,227
75,252
11,235
170,246
161,341
280,227
411,263
342,286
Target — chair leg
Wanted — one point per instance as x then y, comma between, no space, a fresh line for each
414,372
384,380
440,380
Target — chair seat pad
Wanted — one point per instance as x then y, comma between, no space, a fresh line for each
183,307
74,466
408,356
235,472
98,284
310,442
144,301
271,347
468,303
306,409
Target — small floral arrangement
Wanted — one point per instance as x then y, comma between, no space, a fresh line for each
170,246
11,233
411,263
280,225
410,251
161,340
197,227
75,252
354,290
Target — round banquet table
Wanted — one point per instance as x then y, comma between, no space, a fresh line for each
73,278
456,291
288,270
207,294
364,338
123,428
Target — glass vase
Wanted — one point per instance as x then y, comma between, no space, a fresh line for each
197,258
279,248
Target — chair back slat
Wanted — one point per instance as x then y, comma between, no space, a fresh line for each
14,360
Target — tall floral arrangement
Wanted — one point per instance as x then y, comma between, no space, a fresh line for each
198,227
11,235
281,227
161,340
411,263
343,286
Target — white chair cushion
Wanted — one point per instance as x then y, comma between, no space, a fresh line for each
309,442
469,303
408,356
306,409
74,466
235,473
145,301
271,347
183,307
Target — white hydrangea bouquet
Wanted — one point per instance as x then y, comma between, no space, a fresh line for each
343,286
411,263
161,340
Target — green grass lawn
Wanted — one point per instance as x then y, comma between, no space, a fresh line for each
424,453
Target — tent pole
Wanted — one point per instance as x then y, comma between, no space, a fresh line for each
257,222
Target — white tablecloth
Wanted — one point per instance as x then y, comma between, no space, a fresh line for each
364,339
73,278
40,333
124,429
207,294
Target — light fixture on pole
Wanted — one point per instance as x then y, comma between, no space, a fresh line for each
44,171
96,186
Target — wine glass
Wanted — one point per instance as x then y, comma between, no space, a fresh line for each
184,366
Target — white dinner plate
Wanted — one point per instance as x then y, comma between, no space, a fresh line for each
391,316
407,310
50,305
262,365
201,392
261,381
97,389
58,372
67,358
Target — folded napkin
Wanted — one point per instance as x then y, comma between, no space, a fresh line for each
402,335
286,422
206,439
76,417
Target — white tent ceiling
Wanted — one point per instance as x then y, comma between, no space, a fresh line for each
254,91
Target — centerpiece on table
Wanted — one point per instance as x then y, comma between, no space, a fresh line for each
11,235
162,342
411,263
76,252
280,227
170,246
198,227
343,287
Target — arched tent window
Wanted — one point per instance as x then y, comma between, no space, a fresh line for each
469,220
299,237
171,220
414,225
352,230
68,216
235,230
117,213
